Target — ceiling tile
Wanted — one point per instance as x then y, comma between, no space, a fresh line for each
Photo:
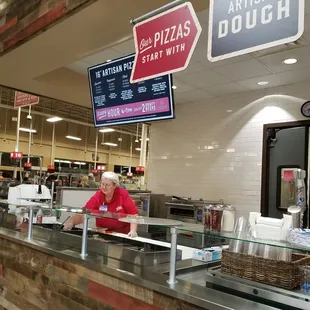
79,67
125,48
295,76
178,98
275,61
204,79
181,86
203,16
307,7
102,57
307,27
243,70
273,79
194,96
226,89
193,67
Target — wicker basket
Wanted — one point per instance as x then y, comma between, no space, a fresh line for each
269,271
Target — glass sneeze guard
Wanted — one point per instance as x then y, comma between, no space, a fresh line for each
199,230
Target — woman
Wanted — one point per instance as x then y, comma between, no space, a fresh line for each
110,198
84,182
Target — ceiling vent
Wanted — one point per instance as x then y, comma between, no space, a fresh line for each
301,42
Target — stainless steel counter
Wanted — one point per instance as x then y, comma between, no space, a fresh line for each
151,277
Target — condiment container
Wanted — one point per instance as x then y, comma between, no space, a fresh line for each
207,217
229,216
216,218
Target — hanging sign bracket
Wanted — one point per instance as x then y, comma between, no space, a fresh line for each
157,11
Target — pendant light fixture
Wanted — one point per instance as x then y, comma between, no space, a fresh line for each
137,134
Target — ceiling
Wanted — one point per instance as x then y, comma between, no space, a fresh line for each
55,66
205,80
39,65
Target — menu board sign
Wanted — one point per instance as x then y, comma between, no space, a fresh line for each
116,101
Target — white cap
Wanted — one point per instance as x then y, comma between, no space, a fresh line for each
91,175
111,176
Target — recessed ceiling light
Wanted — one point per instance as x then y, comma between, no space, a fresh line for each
262,83
138,149
228,111
108,60
290,61
73,138
174,87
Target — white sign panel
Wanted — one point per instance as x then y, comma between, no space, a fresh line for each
238,27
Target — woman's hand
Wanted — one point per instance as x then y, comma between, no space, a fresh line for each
68,225
132,234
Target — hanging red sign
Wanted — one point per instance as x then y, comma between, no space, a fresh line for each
140,169
165,43
27,166
16,155
24,99
50,168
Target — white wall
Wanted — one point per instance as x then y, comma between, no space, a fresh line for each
207,152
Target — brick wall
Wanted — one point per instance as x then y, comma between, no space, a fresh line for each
21,19
207,152
33,280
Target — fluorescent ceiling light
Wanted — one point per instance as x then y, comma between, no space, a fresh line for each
263,83
110,144
147,139
54,119
138,149
290,61
174,87
62,161
79,163
107,130
73,138
108,60
228,111
27,130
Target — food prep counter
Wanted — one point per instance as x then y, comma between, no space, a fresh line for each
118,273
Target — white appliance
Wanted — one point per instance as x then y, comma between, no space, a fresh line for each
29,194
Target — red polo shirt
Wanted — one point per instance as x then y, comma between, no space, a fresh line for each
121,203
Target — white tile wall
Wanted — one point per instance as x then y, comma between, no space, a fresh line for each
207,152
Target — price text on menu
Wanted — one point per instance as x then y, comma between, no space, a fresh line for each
116,101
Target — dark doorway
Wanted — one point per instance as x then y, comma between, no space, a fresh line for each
285,147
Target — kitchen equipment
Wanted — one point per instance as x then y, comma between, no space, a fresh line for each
295,212
229,215
29,194
130,251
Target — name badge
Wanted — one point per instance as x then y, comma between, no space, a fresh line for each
103,208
